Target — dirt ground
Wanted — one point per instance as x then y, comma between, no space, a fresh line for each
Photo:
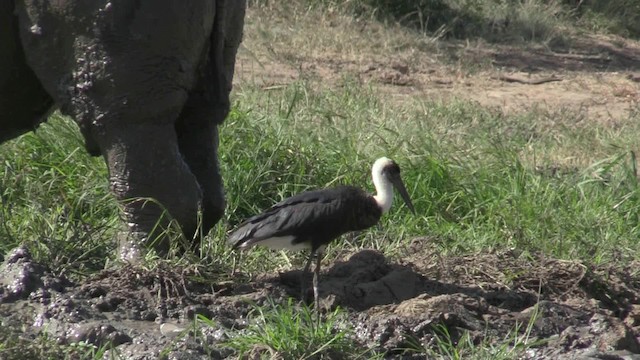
597,75
566,309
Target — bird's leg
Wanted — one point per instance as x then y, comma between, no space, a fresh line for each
316,274
237,258
303,276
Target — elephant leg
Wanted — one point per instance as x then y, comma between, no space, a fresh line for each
198,142
208,105
125,70
151,181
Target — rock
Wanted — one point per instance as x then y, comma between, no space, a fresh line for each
551,318
613,334
633,317
171,330
20,277
419,320
96,334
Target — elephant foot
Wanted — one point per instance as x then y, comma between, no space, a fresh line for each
129,249
159,196
198,142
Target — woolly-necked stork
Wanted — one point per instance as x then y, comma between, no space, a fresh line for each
312,219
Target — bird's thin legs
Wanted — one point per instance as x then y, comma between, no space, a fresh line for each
237,259
303,276
316,274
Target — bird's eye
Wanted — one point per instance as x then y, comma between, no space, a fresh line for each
392,169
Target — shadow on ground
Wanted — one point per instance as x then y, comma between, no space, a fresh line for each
592,53
569,309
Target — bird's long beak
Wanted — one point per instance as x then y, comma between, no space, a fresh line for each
399,185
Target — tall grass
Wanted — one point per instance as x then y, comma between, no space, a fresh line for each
54,198
493,20
479,180
618,16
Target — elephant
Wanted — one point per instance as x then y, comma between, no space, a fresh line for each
147,82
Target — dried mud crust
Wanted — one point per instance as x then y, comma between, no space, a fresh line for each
572,309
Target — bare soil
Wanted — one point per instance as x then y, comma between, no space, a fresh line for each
571,310
596,75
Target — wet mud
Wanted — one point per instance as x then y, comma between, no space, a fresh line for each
566,309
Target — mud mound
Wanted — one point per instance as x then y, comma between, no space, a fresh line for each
566,308
22,278
571,308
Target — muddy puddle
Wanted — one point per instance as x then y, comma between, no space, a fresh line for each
568,310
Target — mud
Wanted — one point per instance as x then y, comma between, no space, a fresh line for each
565,309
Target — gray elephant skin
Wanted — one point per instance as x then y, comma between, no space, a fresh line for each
147,82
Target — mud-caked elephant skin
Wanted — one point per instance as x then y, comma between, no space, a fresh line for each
147,81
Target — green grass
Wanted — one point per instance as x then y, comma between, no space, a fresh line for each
54,198
513,346
619,17
479,180
19,345
293,331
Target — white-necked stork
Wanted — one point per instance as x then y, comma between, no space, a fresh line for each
312,219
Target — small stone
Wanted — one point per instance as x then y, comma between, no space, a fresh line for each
171,330
97,334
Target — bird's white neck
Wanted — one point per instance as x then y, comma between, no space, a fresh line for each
384,190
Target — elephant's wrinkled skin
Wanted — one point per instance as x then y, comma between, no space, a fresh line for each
147,81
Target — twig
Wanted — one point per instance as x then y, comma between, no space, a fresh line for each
512,79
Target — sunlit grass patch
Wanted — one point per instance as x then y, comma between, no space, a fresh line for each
54,198
294,332
480,179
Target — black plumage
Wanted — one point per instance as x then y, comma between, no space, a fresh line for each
312,217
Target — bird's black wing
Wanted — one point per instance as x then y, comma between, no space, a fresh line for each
322,213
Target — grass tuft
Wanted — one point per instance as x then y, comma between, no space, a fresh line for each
293,332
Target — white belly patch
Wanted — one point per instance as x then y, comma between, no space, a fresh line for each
283,242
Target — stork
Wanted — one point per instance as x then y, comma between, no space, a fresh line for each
312,219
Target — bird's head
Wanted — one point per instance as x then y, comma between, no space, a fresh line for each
388,170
